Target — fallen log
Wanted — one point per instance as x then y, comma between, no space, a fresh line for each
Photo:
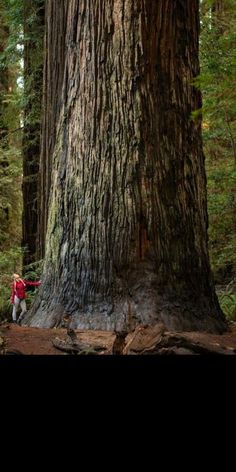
177,342
154,340
144,337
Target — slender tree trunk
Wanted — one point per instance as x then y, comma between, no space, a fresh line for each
219,21
4,81
4,141
218,7
127,226
33,78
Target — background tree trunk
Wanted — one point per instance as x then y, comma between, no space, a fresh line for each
4,138
33,79
4,80
218,7
127,227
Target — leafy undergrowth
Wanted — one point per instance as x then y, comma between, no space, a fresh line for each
221,174
227,300
222,219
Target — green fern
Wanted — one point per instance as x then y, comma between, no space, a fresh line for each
227,300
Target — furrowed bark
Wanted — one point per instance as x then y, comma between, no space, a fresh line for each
127,226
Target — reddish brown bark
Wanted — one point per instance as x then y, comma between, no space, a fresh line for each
127,226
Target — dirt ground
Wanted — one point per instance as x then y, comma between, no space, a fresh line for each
37,341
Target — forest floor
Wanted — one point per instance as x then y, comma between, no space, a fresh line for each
15,339
38,341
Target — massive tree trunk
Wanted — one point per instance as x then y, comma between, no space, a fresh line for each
127,226
56,18
33,79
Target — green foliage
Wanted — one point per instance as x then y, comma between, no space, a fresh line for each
33,271
218,77
20,105
218,84
5,306
24,28
10,198
10,136
10,262
222,221
227,300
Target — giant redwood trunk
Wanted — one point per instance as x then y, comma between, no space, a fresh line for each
127,226
33,79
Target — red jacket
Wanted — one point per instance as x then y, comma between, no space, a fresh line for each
18,288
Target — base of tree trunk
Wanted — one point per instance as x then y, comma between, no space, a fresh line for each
141,300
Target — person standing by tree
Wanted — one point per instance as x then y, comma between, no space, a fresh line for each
18,296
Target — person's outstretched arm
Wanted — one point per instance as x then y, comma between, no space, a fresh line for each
34,284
